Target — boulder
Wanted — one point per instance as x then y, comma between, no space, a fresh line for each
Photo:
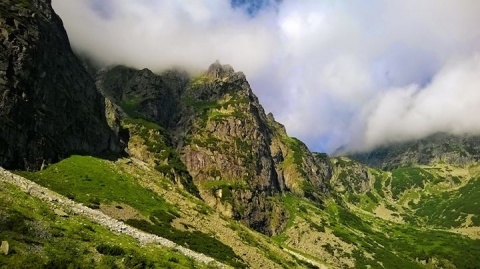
5,247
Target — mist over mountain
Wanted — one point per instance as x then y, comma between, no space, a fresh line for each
357,75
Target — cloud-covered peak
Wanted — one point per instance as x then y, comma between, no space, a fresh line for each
355,74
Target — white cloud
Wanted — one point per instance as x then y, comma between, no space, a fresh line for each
356,73
450,103
162,34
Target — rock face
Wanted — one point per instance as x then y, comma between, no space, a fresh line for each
240,159
208,133
451,149
143,94
49,105
350,177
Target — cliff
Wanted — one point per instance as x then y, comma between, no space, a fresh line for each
49,106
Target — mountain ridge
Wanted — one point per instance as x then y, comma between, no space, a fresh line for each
439,147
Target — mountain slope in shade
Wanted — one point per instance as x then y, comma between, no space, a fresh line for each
49,106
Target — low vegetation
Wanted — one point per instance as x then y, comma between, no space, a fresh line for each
39,238
166,159
382,244
160,224
90,180
409,177
450,209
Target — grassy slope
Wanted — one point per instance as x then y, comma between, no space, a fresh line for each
171,212
438,196
372,242
424,202
94,181
39,238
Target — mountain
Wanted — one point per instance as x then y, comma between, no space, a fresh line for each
207,179
237,155
452,149
49,105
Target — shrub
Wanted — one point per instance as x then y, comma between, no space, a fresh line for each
111,250
136,260
173,259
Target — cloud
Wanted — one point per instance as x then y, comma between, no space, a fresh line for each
355,74
162,34
449,103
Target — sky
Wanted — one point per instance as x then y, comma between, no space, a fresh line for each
350,75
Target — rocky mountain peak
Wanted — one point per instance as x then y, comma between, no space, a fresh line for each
236,154
217,70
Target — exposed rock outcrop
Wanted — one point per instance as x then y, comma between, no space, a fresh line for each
49,106
5,248
228,143
350,176
143,94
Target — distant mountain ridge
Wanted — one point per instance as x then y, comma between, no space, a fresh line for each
440,147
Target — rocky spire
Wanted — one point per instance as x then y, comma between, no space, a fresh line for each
218,70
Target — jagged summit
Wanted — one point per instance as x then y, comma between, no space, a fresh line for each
217,70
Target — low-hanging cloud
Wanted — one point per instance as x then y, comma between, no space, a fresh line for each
167,33
450,103
356,74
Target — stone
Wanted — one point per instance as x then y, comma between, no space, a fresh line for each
219,193
60,213
5,247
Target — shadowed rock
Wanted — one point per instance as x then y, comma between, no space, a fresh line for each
49,105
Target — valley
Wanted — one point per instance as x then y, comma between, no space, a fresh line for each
115,167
